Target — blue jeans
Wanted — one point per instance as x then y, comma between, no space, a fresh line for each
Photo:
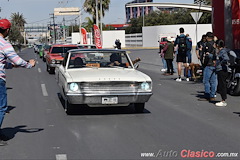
210,81
3,100
164,63
189,57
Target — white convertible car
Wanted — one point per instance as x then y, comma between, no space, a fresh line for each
100,78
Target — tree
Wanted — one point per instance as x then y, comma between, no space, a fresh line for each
15,35
18,22
181,16
90,7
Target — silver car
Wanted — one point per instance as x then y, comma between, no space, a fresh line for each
100,78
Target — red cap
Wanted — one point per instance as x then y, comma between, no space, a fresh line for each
5,24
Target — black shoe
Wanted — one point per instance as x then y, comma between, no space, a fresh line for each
3,143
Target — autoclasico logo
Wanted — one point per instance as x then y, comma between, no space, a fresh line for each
197,154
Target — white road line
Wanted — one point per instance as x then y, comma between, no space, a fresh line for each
39,70
44,90
61,157
37,62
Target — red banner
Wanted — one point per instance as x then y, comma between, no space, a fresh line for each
236,23
84,35
97,37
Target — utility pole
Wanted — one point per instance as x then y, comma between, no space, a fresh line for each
97,12
54,29
64,30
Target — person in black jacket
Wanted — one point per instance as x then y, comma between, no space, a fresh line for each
222,72
209,73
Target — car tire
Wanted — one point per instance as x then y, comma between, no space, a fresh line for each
51,70
47,68
139,107
68,108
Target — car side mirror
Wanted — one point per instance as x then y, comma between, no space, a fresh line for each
136,65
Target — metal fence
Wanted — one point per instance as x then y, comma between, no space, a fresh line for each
134,40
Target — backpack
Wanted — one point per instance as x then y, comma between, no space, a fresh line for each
182,45
232,57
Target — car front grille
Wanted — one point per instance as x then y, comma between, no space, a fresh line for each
109,87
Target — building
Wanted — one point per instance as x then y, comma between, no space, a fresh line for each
135,12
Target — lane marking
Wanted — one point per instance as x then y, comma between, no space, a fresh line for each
44,90
61,157
39,70
37,62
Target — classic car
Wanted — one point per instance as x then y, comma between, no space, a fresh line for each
45,50
55,55
101,77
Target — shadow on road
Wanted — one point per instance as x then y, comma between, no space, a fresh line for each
10,108
85,110
9,133
237,113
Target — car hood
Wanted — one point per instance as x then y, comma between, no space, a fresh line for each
108,74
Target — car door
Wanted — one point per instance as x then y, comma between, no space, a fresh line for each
61,71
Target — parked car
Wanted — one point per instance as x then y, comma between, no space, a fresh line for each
100,78
55,55
46,48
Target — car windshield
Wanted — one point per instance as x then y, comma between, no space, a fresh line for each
62,49
164,39
99,60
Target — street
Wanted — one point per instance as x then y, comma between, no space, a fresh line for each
173,121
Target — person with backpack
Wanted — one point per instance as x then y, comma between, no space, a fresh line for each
209,72
222,72
182,43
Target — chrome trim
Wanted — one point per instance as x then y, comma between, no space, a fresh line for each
107,94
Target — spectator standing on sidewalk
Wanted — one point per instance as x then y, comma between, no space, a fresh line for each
209,73
182,43
222,72
7,52
168,55
199,48
189,49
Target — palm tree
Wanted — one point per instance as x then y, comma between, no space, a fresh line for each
89,24
90,7
18,20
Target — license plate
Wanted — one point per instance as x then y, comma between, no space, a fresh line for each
109,100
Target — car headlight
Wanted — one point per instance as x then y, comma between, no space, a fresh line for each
73,87
53,61
145,86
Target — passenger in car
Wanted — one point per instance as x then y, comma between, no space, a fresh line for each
78,62
115,59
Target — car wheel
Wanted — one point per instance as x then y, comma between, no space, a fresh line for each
47,68
139,107
51,70
68,107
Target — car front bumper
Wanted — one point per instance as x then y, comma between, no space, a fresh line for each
54,65
96,99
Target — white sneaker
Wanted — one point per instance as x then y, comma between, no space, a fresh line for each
163,70
178,79
187,79
221,104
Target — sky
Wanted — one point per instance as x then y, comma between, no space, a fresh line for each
38,11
